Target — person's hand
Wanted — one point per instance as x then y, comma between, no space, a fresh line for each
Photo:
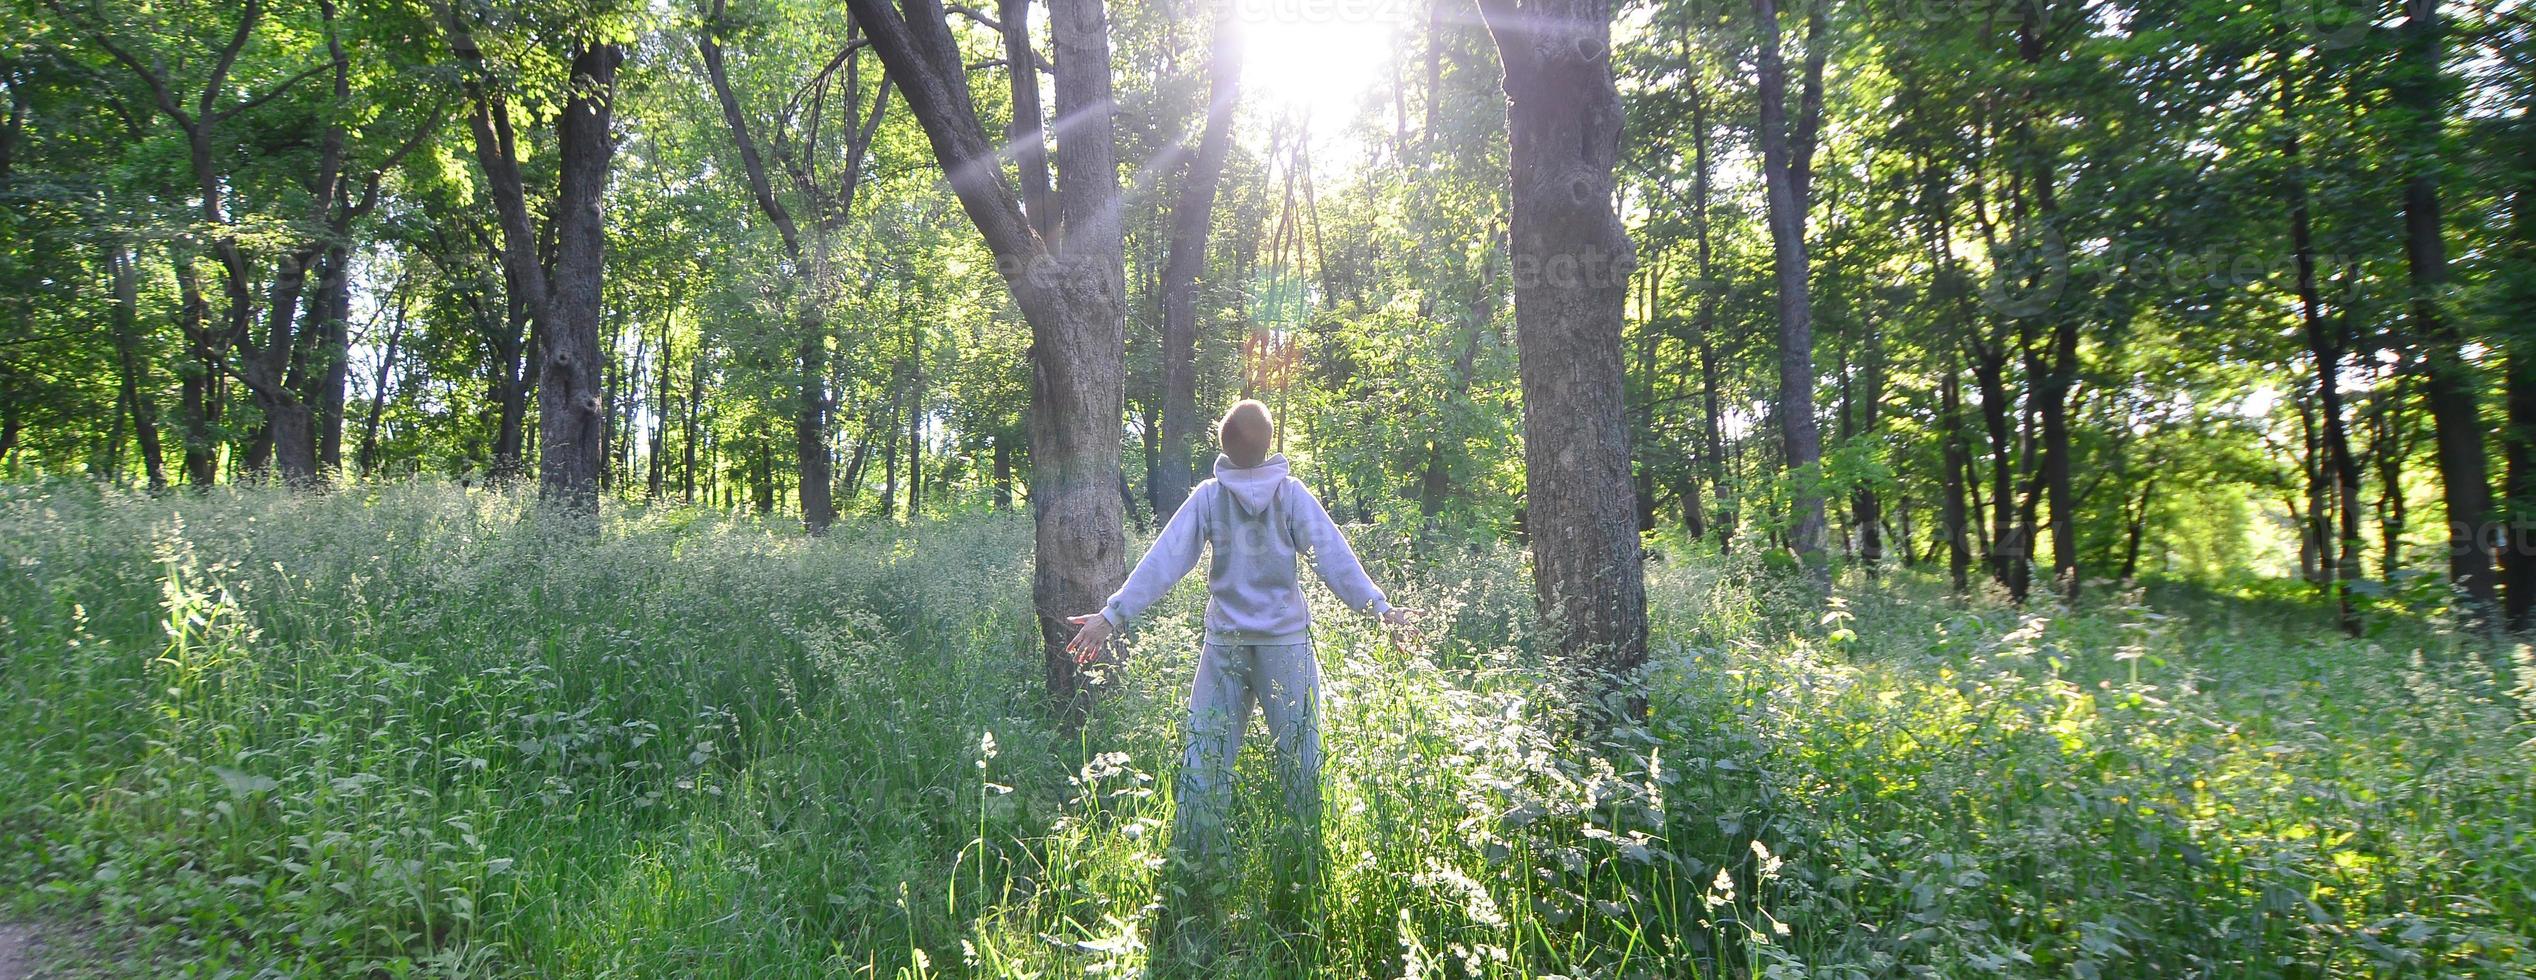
1092,632
1399,624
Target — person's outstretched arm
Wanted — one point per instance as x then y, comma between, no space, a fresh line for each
1335,561
1164,565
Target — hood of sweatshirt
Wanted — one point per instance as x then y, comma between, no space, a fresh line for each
1254,486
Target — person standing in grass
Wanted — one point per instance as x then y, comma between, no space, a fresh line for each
1258,629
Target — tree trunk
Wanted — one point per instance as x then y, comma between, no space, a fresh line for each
889,458
2388,442
510,399
1865,507
2137,530
1191,216
1803,442
2052,389
916,423
198,378
135,364
1003,474
810,423
2519,559
2448,381
2007,553
1704,324
1957,462
1572,259
367,456
331,353
687,425
569,412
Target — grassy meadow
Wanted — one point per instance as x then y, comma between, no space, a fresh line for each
404,731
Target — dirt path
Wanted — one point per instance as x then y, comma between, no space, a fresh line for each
17,951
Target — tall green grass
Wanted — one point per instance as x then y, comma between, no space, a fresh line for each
412,731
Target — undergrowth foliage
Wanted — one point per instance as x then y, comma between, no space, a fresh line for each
412,730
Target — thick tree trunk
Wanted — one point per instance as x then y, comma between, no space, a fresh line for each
1079,375
2006,552
2519,560
288,439
1786,204
1191,217
810,423
331,354
569,412
1572,259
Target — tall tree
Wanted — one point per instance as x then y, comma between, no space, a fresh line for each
1571,259
2448,383
1784,183
1070,286
561,295
829,205
1192,216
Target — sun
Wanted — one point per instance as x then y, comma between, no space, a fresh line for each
1317,59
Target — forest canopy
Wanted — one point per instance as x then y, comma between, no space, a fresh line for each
2061,291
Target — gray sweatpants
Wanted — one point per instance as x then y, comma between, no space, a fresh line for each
1284,680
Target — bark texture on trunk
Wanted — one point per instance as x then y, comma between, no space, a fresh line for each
1571,259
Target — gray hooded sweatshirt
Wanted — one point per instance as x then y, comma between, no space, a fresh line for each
1258,519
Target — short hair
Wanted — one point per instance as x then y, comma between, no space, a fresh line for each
1245,432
